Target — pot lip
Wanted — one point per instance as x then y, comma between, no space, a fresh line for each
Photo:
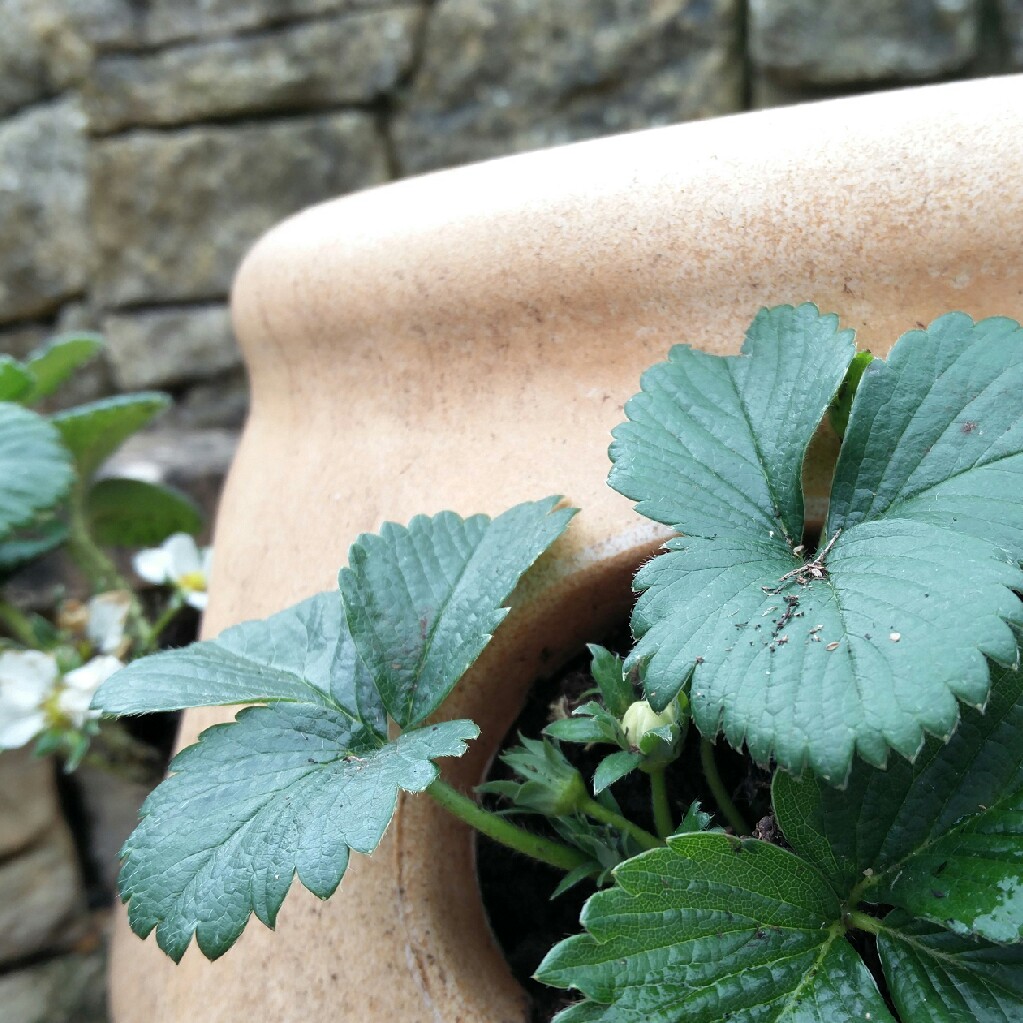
693,207
624,160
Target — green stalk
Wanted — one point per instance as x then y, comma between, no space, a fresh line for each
94,562
99,568
863,922
501,830
659,800
592,808
174,605
718,790
17,624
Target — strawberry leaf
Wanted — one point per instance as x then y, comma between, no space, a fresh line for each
285,790
939,977
870,643
714,928
55,361
35,468
93,432
135,513
423,600
941,838
303,654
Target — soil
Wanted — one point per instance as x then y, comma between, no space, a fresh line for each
516,891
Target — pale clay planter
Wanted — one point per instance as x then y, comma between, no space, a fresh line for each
466,340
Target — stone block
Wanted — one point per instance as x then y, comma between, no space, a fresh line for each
131,25
112,805
173,212
807,42
44,246
195,461
168,347
28,805
39,880
1012,25
39,896
344,60
106,24
71,989
219,402
24,75
21,339
501,76
40,52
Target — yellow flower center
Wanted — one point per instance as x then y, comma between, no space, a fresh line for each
194,582
55,716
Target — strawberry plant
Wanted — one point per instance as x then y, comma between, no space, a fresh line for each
873,668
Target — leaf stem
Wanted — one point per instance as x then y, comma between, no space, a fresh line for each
718,790
659,800
501,830
99,568
174,605
863,922
592,808
17,624
101,571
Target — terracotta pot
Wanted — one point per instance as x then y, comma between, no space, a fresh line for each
466,340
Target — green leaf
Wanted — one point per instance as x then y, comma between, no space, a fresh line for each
133,513
35,471
287,789
695,819
838,413
93,432
589,722
939,977
15,380
583,729
714,928
941,838
574,877
549,784
55,361
609,674
714,446
871,657
423,601
936,434
304,654
28,544
869,645
613,768
605,845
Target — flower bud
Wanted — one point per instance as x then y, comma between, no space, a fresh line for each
641,718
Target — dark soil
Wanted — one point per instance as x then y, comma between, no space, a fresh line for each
516,890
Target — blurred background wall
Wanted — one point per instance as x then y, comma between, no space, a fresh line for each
145,144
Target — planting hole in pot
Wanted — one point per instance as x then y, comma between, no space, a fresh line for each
517,891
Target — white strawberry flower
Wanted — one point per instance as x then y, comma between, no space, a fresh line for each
34,696
100,622
178,562
104,628
27,681
75,696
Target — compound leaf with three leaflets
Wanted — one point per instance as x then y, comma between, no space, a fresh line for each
869,644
